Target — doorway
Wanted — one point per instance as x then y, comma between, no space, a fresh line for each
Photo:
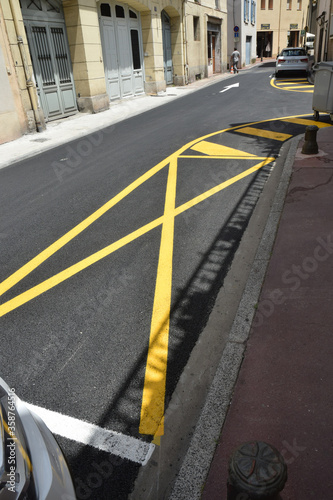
122,50
167,53
48,45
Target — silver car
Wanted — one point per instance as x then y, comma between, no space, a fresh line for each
32,466
292,59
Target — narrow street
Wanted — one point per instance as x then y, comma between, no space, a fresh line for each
112,259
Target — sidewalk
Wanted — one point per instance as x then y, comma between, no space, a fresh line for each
283,392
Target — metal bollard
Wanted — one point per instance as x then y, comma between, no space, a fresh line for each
310,146
257,471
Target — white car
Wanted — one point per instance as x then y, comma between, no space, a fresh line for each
292,59
31,463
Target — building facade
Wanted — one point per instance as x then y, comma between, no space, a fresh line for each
320,23
80,55
280,24
242,28
13,120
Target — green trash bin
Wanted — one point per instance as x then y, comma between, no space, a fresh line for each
322,101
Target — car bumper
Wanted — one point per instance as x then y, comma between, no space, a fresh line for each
292,67
41,455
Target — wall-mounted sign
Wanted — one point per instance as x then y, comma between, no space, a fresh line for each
265,26
236,29
294,26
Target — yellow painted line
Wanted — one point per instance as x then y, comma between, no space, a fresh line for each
220,187
67,273
292,80
281,85
267,134
55,280
153,398
224,157
288,82
212,149
49,251
57,245
37,290
299,121
152,412
296,87
66,238
291,85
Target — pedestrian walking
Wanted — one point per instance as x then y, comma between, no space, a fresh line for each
234,59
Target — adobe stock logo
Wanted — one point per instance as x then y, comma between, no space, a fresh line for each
100,472
294,278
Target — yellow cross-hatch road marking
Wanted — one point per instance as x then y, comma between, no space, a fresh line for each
30,266
213,149
61,242
300,121
293,85
267,134
55,280
152,412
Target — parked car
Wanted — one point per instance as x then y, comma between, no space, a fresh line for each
292,59
32,466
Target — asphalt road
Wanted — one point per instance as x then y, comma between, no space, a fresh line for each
103,337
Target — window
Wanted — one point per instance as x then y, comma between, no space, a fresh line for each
246,10
293,52
105,10
132,14
270,4
289,3
120,11
299,4
253,11
217,4
135,49
196,28
263,4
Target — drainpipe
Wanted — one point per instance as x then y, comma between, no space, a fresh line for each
279,28
28,75
185,43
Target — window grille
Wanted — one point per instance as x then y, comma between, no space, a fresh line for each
58,38
43,55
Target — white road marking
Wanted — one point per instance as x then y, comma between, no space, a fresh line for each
229,87
118,444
